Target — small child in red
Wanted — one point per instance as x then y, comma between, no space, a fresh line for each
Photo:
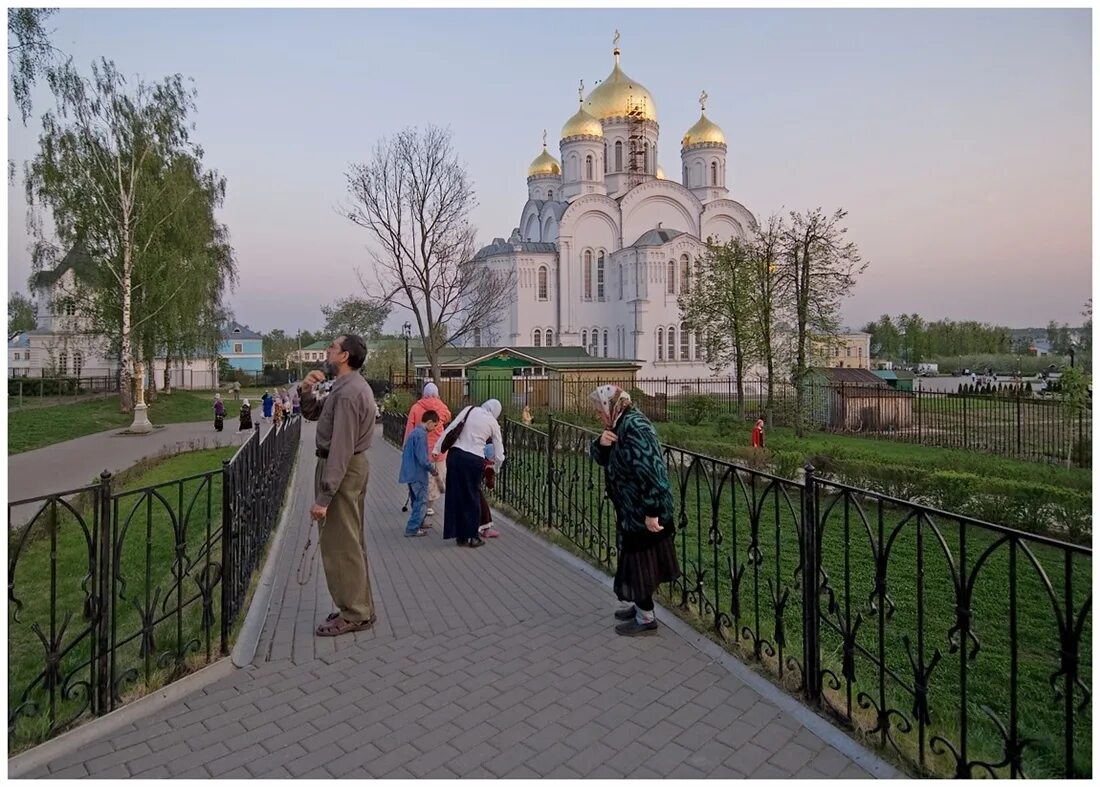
486,529
758,434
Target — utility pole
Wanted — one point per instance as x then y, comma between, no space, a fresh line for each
299,353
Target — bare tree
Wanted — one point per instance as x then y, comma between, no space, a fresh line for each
415,199
819,267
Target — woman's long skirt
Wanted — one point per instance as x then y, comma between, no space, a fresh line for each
463,509
219,421
646,560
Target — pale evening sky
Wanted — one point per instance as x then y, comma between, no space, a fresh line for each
958,140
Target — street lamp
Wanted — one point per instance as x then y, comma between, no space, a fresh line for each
406,331
299,353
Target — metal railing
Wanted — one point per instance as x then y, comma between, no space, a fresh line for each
961,646
1023,425
113,592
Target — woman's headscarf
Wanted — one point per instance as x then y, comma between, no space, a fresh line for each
431,389
244,403
611,401
492,406
760,423
217,396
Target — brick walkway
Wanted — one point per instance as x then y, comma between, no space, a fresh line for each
494,662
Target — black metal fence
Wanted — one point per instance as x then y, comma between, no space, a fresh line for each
962,646
1023,425
114,592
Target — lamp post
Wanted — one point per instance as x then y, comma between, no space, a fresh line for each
1072,352
299,353
406,331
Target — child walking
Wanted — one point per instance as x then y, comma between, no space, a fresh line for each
486,529
416,466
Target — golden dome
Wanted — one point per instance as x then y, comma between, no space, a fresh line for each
544,164
703,131
661,173
616,94
582,124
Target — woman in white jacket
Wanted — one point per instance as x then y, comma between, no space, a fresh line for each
465,467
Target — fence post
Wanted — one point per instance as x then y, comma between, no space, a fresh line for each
966,441
550,470
1019,449
920,417
101,643
227,555
811,559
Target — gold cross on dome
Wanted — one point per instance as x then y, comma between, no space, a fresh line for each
616,39
544,137
580,91
703,100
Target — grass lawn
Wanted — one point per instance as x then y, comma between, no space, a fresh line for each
739,548
37,427
52,581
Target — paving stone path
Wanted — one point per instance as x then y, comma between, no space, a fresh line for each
493,662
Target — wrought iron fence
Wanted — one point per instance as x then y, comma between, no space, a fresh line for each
1009,422
111,592
962,646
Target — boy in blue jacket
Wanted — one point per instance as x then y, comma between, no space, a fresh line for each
416,466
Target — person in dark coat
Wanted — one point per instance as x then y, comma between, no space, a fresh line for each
219,412
637,483
246,415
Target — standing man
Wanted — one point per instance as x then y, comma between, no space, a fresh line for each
345,426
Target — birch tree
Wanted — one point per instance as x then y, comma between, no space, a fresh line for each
414,197
819,267
100,171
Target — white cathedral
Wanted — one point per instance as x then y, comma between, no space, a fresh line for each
606,243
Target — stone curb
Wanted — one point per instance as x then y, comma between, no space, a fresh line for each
243,652
819,726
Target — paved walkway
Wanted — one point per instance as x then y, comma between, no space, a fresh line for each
79,462
494,662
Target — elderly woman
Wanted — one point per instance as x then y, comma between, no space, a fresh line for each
465,467
637,483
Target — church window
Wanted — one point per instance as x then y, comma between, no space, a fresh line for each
645,158
685,342
670,284
549,338
605,342
584,339
543,283
621,283
599,276
588,167
660,344
714,173
63,364
477,337
605,158
538,338
78,363
587,275
671,345
618,156
550,194
685,180
685,274
699,346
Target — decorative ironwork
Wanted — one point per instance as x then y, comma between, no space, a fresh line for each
940,636
111,588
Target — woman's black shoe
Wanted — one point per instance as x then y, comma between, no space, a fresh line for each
474,542
461,541
625,614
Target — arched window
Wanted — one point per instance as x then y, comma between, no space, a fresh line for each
618,156
544,288
538,338
584,339
685,180
549,338
671,343
550,194
477,337
587,274
670,275
605,342
599,276
660,344
685,342
605,158
699,346
685,274
621,283
645,158
714,173
63,364
78,363
588,167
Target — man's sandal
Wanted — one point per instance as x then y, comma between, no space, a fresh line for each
338,626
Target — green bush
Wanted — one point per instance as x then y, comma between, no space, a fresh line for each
730,425
696,409
49,386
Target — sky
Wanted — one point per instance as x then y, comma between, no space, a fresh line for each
959,141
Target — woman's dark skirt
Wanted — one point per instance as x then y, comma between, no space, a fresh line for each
646,560
462,512
219,422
